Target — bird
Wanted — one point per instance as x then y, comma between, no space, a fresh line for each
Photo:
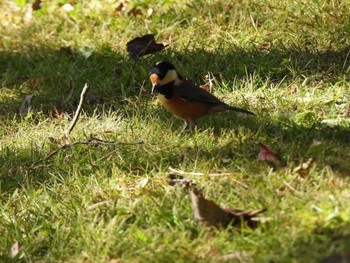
182,97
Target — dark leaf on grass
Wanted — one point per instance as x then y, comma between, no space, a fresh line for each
208,213
37,5
144,45
14,250
269,156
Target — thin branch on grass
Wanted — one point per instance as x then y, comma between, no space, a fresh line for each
77,113
91,141
210,174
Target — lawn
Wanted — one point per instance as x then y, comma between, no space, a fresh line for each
287,61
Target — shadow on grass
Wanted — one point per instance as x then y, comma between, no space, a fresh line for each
324,244
57,76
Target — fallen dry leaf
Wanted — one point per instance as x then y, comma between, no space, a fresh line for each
14,250
304,168
269,156
144,45
208,213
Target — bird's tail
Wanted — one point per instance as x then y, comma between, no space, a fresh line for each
240,110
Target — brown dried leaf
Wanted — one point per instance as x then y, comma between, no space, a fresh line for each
144,45
208,213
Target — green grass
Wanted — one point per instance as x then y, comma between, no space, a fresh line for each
288,61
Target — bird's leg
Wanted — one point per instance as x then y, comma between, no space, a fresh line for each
190,125
185,126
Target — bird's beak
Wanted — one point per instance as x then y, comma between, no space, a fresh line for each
154,80
153,88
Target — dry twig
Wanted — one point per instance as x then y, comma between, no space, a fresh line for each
90,141
77,113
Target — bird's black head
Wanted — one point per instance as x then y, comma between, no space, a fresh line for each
161,69
163,73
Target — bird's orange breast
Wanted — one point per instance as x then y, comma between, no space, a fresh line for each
186,110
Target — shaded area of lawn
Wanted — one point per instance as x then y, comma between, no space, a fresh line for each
57,76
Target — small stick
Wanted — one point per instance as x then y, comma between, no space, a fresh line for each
90,141
77,113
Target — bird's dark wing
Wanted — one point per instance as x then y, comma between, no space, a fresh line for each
188,91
